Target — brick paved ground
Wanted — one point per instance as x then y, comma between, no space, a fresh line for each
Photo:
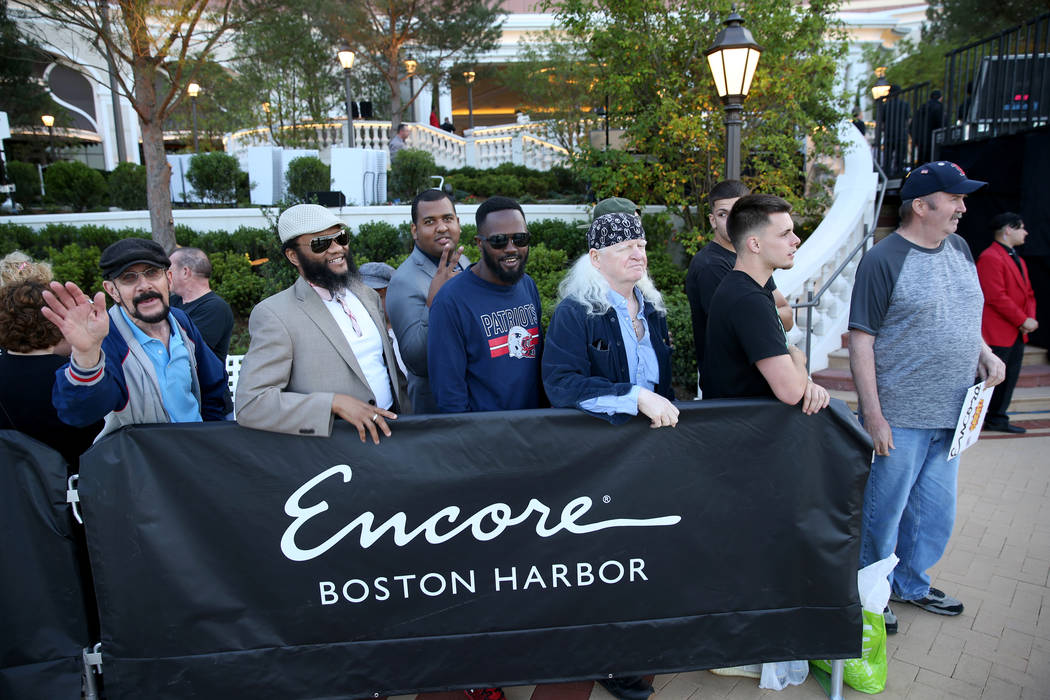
997,563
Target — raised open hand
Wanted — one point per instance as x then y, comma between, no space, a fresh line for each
83,321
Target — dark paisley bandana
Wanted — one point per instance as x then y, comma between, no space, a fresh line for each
611,229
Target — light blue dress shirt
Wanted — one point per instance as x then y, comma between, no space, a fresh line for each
172,365
643,370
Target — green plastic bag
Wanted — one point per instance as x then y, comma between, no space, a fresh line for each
868,673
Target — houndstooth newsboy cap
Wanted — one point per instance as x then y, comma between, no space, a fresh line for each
305,218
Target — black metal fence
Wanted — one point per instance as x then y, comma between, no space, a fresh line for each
904,124
999,85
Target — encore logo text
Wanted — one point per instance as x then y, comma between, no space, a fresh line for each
486,524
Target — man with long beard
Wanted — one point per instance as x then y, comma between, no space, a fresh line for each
142,362
319,349
484,345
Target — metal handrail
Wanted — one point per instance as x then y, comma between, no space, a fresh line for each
813,300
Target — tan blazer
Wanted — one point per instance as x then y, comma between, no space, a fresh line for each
299,359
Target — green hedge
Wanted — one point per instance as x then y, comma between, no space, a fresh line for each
307,174
410,174
217,176
509,180
127,186
71,183
26,179
74,252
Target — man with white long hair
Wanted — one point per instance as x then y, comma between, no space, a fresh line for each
607,350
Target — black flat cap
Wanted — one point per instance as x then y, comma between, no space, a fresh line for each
131,251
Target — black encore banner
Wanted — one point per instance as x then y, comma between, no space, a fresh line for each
472,550
43,617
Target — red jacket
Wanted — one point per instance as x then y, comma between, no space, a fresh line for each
1008,296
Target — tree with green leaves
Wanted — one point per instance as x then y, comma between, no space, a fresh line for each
21,96
958,22
437,33
652,66
951,24
557,81
285,62
145,39
222,105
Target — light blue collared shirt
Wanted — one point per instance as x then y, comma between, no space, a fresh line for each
642,367
172,365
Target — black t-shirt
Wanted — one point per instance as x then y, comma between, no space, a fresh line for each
706,270
214,318
25,405
742,328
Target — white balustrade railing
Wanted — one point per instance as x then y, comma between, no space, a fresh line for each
844,227
449,150
523,144
493,150
542,155
374,135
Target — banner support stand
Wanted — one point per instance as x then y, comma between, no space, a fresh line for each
92,665
838,669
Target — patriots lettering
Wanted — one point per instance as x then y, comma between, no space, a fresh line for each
500,322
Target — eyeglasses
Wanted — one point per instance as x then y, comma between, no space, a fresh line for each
150,274
499,240
323,243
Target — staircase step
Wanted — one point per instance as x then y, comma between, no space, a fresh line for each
834,379
838,359
1034,356
837,376
882,231
1025,399
1034,375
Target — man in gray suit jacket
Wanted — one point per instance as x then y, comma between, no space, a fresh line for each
319,349
434,260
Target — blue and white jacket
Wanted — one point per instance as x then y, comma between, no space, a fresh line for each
123,387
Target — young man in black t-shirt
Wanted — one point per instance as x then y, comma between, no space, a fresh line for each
714,261
747,353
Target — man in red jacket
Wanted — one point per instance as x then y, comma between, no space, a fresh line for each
1009,311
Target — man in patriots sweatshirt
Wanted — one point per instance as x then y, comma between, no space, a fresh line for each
484,344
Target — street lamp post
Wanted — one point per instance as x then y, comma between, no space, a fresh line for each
346,60
410,69
733,58
49,122
193,89
604,113
881,88
469,77
269,122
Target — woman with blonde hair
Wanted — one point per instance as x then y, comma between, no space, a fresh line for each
19,267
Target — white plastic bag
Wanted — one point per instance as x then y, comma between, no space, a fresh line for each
873,584
779,675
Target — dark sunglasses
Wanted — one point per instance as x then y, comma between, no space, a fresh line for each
499,240
323,243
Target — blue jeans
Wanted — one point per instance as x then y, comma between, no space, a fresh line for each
909,507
